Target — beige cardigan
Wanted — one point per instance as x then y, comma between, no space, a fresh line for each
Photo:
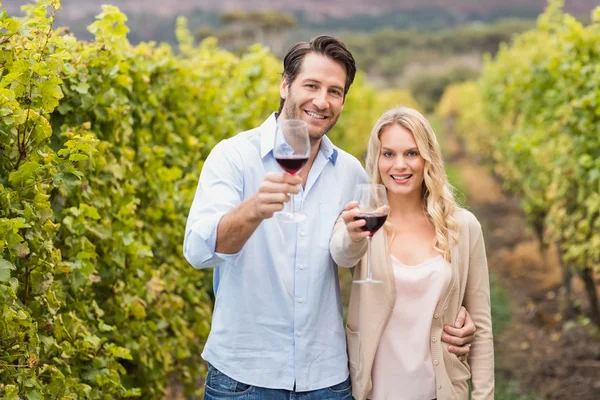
371,307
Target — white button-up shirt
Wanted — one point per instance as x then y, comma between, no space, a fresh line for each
277,319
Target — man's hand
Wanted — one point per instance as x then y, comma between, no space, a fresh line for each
273,192
236,227
460,336
353,226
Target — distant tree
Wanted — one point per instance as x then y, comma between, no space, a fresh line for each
428,87
243,28
204,31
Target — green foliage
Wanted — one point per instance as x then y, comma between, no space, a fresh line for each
430,86
536,109
501,314
101,147
242,28
389,52
463,106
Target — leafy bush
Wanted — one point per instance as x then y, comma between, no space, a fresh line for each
101,147
102,144
537,109
429,87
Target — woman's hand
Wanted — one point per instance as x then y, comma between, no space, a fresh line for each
353,226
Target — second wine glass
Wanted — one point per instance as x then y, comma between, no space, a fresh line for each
374,209
292,149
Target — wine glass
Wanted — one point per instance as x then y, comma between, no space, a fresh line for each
374,208
292,148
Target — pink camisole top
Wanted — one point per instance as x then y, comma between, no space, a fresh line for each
403,368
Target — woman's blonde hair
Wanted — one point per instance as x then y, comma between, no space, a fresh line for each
437,193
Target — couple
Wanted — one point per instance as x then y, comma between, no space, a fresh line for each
277,330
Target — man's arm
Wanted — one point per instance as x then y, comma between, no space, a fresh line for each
220,220
220,189
460,336
236,227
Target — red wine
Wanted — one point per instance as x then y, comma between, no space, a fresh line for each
374,221
291,164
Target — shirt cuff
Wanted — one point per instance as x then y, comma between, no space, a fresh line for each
201,242
230,258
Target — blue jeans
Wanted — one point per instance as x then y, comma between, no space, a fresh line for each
221,387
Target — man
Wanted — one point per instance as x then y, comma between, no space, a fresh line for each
277,324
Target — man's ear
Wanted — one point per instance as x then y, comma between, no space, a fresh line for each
283,88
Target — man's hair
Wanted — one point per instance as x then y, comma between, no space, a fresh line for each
328,46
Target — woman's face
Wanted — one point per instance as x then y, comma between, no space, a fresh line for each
400,164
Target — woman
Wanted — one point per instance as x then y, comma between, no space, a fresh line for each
431,259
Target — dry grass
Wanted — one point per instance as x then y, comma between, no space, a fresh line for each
525,261
478,183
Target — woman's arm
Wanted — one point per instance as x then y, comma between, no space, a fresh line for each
477,301
346,249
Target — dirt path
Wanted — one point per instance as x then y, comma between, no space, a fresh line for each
544,355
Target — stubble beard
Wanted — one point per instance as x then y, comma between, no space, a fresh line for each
291,112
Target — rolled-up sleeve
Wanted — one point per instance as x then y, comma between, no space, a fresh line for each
344,251
220,189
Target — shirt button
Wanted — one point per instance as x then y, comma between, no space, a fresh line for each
435,362
301,266
439,386
300,300
434,339
436,315
299,334
302,233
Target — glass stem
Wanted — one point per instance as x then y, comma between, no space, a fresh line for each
369,271
293,209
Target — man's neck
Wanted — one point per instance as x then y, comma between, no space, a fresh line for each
315,145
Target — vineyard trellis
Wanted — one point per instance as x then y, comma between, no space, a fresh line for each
534,115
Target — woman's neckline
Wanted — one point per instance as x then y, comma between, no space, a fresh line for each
421,264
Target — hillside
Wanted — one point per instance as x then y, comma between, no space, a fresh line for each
318,9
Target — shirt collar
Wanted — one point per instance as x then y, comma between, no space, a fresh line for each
267,135
328,149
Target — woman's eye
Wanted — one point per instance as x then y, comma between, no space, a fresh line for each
412,153
387,154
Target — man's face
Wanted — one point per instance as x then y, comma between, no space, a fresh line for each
317,94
